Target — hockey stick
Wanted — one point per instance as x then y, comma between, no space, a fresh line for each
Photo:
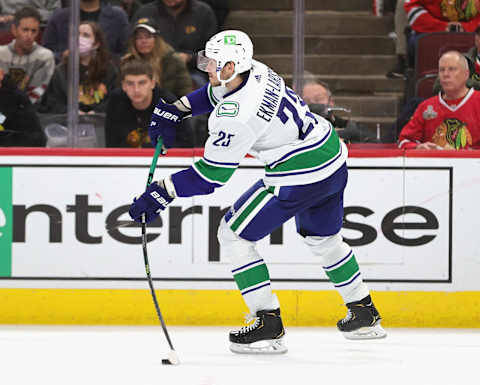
172,357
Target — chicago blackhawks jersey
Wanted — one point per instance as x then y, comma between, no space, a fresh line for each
265,118
434,15
449,126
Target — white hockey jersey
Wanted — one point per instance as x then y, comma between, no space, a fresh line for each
269,121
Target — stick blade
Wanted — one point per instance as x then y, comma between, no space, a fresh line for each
172,359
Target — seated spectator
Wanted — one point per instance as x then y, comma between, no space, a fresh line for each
184,24
130,108
19,125
474,64
320,101
112,20
98,75
129,6
439,16
29,65
169,71
451,119
44,7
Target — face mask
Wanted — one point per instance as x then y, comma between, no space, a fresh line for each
84,45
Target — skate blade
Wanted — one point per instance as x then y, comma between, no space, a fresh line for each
366,333
260,347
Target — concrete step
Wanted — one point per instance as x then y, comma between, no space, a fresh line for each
316,23
325,45
331,5
333,64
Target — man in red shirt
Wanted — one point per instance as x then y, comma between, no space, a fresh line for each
451,119
442,15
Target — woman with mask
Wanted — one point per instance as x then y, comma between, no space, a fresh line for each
98,75
170,72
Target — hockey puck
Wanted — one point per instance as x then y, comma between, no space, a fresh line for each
166,361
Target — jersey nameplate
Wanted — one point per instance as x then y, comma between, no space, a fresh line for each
228,109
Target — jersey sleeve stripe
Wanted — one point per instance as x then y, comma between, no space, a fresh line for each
213,174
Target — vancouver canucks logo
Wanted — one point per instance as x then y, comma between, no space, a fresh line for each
228,108
452,134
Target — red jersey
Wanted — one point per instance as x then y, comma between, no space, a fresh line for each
454,126
434,15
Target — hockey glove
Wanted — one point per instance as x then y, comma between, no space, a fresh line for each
154,200
165,120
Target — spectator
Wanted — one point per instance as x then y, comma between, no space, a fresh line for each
129,6
474,64
184,24
169,71
29,65
130,108
19,125
98,75
438,16
112,20
451,119
44,7
401,25
320,101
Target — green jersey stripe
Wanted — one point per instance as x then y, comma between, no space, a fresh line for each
214,173
252,277
244,214
310,159
344,272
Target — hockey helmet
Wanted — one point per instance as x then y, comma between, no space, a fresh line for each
227,46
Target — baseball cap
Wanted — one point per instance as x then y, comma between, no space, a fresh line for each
147,24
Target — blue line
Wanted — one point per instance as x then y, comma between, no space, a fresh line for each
308,171
226,164
248,291
301,149
248,264
349,282
335,264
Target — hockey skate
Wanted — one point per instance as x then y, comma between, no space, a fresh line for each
362,321
264,335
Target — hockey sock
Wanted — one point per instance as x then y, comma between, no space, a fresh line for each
339,263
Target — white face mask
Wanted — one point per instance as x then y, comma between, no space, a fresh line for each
85,45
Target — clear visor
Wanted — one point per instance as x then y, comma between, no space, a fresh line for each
205,63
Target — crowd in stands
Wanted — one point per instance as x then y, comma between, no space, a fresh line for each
133,52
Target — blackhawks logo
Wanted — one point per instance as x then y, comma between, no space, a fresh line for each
452,134
460,10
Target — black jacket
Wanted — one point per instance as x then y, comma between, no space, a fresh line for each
126,126
21,126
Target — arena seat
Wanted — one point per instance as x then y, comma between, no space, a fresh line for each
431,46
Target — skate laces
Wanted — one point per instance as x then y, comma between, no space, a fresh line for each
249,318
348,317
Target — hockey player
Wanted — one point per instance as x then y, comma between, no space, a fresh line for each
253,111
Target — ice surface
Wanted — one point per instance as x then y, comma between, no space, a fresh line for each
56,355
